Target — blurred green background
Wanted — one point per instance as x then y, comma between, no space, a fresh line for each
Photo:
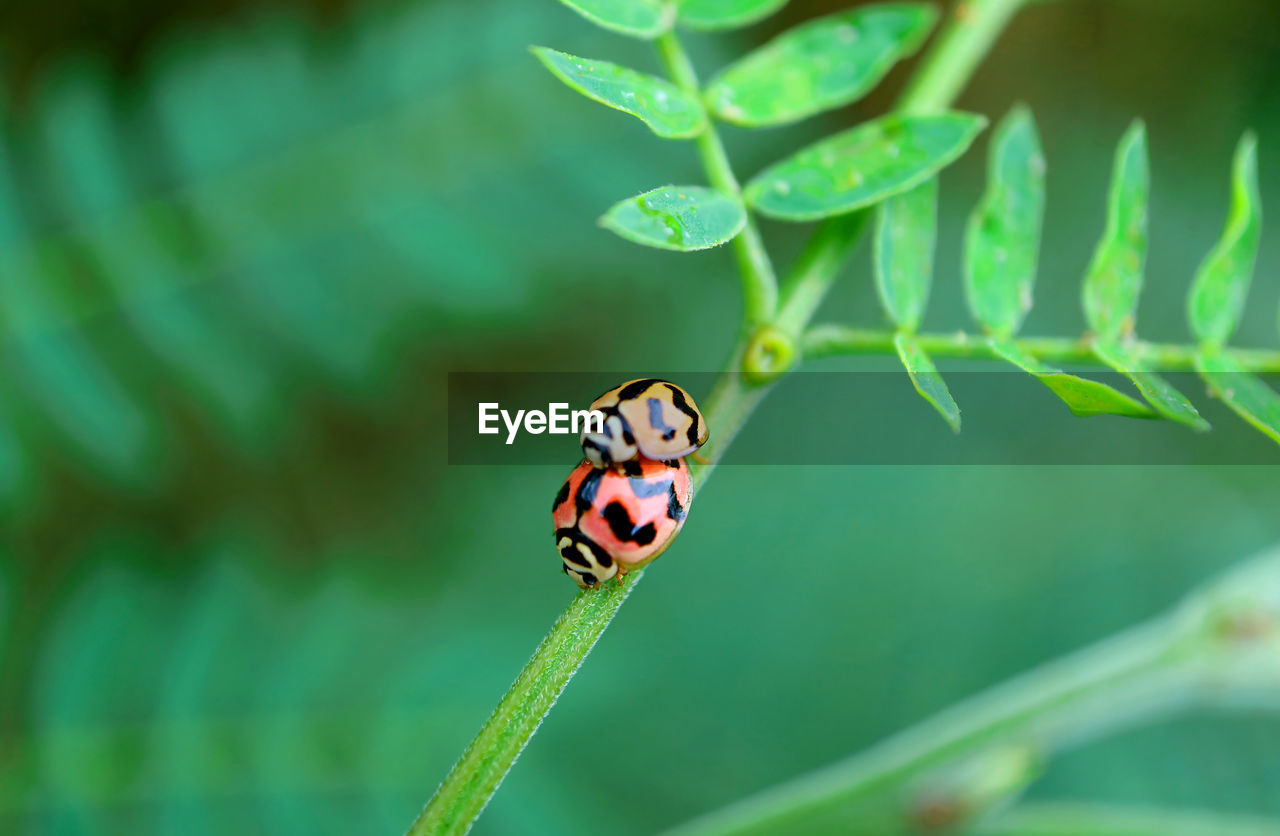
240,589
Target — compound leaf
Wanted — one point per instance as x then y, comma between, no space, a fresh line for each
725,14
1082,396
906,230
924,376
680,218
862,166
1114,280
1222,282
1164,399
1247,396
1002,242
637,18
661,105
819,65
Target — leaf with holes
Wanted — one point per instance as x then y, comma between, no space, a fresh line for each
906,230
1164,399
1002,242
1114,280
819,65
680,218
710,15
862,166
1084,397
1222,282
637,18
1247,396
924,376
661,105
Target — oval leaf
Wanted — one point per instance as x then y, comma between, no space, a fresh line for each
906,230
1002,242
1082,396
1114,280
1222,282
1164,399
637,18
677,218
819,65
661,105
862,166
725,14
1247,396
925,377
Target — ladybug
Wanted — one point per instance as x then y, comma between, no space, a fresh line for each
646,418
609,522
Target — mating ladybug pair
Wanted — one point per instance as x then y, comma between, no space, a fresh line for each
624,504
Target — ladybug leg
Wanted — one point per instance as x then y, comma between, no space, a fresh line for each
622,573
697,456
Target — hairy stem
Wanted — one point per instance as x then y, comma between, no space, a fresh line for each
468,787
476,776
968,35
759,284
832,340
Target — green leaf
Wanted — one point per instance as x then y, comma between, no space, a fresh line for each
665,108
1003,238
1247,396
1082,396
819,65
1114,280
637,18
925,377
725,14
906,230
1167,401
677,218
862,166
1222,282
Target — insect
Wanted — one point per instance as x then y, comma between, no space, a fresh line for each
609,522
646,418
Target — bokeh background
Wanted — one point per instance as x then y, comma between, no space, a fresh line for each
241,245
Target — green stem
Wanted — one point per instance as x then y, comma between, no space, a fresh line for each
967,37
1211,649
833,340
1056,819
476,776
759,283
817,268
468,787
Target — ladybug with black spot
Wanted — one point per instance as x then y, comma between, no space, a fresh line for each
609,522
644,419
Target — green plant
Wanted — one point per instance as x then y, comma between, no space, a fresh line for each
884,173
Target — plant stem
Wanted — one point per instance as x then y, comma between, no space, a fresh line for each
833,340
759,283
968,35
1058,819
817,268
467,788
1217,646
475,777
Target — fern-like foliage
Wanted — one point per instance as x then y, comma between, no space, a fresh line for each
1002,242
890,165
